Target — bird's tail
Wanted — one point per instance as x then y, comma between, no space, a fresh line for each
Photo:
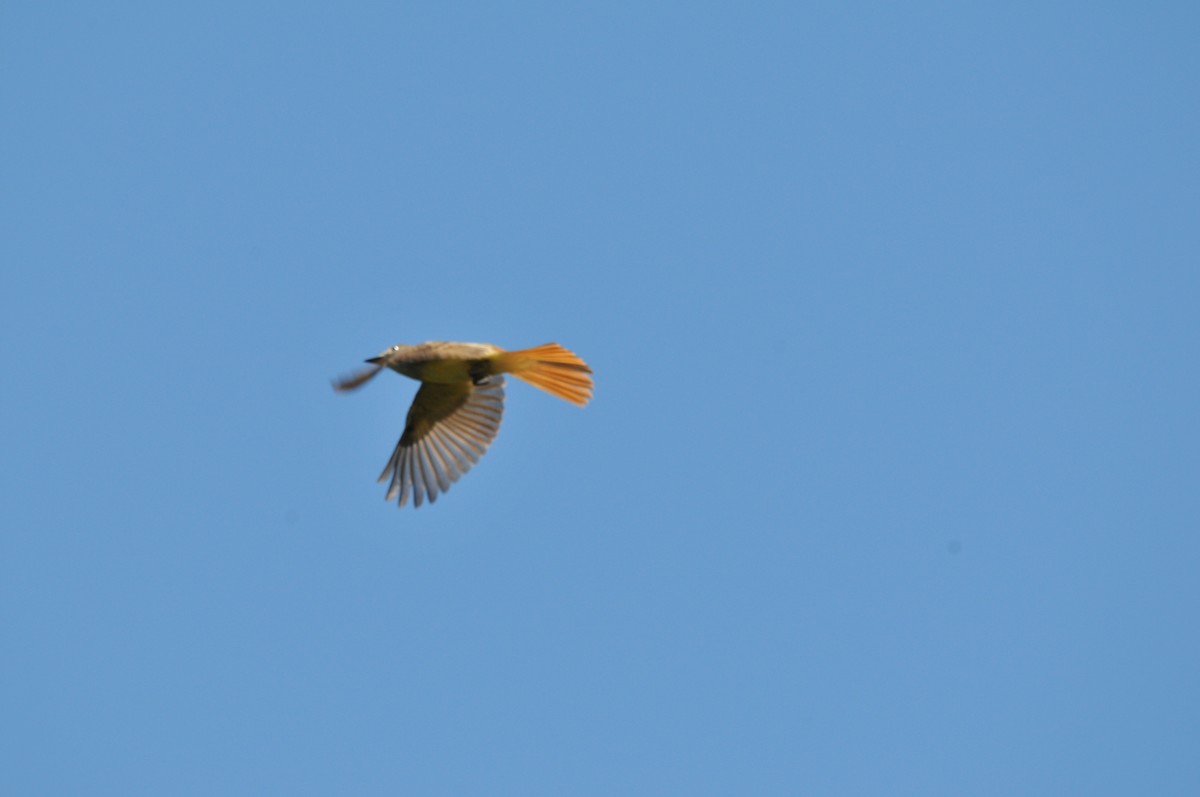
552,368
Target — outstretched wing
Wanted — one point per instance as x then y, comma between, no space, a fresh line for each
449,427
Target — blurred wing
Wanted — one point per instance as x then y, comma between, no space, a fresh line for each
357,379
449,428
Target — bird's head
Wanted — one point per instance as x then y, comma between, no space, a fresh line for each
387,354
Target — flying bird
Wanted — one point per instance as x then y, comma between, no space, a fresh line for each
456,413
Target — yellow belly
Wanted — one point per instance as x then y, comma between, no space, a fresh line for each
445,371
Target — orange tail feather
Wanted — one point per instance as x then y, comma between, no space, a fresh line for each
552,368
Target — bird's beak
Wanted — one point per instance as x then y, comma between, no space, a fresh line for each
373,360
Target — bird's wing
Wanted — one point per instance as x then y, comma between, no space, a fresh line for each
449,428
357,379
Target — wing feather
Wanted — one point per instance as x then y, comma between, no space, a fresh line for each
449,427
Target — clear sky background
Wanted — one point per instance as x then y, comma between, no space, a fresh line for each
889,486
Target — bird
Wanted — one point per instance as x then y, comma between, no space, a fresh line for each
456,412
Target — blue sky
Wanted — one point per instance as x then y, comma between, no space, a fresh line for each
889,483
